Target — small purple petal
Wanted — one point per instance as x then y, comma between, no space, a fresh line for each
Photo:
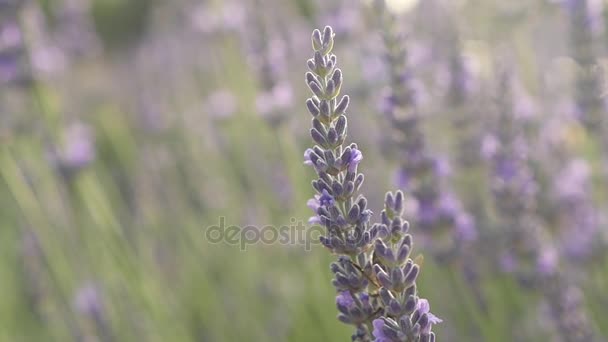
345,299
307,160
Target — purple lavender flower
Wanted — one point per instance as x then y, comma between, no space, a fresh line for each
401,330
570,211
425,308
357,273
585,31
379,334
421,174
78,149
566,309
267,55
353,160
14,70
74,29
345,299
307,160
326,200
576,215
75,152
88,302
523,245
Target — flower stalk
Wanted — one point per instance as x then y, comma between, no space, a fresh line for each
374,276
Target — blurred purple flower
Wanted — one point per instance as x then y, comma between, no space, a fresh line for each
10,36
586,13
421,174
78,147
571,182
275,101
508,263
547,261
577,216
465,227
88,301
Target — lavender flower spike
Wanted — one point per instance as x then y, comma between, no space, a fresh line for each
529,252
439,213
514,188
374,276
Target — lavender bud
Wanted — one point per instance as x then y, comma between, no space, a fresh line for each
424,322
411,292
312,108
334,267
353,213
316,89
386,296
330,90
403,253
410,304
329,158
337,78
328,35
316,124
383,231
394,307
332,136
320,64
362,203
341,125
330,66
383,278
384,252
311,78
311,65
318,137
345,156
398,203
359,181
337,189
397,276
389,201
405,227
324,108
317,43
410,278
396,225
321,165
328,40
342,105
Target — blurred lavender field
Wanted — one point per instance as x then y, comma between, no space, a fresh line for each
152,185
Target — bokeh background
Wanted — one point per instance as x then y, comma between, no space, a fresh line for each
128,128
